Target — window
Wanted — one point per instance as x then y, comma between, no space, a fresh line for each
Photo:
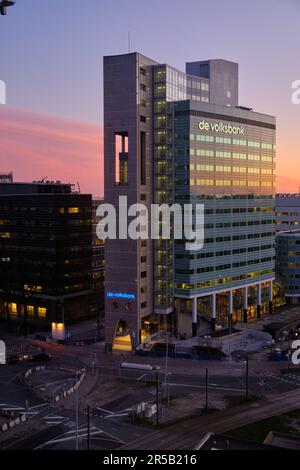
143,157
121,158
143,119
143,87
73,210
204,86
143,71
143,274
30,310
42,312
13,309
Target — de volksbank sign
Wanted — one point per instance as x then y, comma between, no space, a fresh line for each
221,127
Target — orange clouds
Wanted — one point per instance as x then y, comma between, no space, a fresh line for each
35,146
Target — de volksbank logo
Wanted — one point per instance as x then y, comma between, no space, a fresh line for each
221,127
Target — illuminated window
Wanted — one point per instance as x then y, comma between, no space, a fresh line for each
42,312
33,288
30,310
73,210
5,235
13,309
61,210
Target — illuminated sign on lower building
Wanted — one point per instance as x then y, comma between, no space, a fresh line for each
120,295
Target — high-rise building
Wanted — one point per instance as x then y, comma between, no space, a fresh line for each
46,271
98,269
181,137
287,214
288,264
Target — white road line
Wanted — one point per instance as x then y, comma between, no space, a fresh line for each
38,406
71,438
54,417
115,416
210,387
13,408
105,411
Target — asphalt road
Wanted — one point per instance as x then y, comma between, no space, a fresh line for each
190,431
55,428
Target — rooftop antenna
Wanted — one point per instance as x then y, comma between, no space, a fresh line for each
44,179
129,42
78,185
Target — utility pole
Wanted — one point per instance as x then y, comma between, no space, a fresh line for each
206,389
247,377
157,397
166,364
76,411
88,428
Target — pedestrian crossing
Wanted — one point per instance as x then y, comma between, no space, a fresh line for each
22,410
291,379
81,434
54,420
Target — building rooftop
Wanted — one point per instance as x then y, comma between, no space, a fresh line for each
36,187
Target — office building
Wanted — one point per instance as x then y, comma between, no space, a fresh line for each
287,213
46,272
181,137
98,270
288,264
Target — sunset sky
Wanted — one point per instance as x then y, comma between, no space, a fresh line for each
51,61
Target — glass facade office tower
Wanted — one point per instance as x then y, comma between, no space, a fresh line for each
287,214
288,264
170,137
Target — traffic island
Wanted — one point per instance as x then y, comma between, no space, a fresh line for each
52,385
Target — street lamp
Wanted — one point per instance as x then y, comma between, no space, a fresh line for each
4,5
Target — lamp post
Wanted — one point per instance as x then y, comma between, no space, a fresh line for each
247,377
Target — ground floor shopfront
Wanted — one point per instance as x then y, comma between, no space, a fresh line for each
225,307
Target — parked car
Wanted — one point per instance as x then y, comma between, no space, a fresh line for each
41,357
24,357
13,360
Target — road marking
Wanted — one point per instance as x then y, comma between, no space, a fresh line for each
115,416
105,411
203,386
38,406
82,433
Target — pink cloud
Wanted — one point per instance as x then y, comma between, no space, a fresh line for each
35,145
